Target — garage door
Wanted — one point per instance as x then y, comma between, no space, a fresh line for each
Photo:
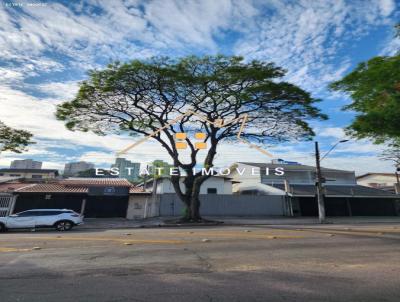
106,206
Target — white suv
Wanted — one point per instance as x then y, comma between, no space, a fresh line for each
61,220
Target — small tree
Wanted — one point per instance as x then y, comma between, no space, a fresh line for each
392,153
13,140
141,97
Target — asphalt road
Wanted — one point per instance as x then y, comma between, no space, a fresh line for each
257,263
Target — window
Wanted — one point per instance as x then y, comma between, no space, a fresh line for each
137,206
211,190
47,196
15,175
29,213
109,190
37,176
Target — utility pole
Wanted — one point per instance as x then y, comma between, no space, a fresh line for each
318,184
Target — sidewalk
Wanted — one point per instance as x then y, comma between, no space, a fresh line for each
305,220
122,223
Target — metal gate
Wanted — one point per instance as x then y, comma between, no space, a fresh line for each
6,202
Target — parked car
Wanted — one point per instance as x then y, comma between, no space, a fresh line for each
60,219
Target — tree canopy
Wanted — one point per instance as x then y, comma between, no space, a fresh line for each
13,140
139,97
374,87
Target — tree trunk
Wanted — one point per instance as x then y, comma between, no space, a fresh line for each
191,199
195,201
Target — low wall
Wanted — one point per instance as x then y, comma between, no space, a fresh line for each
226,205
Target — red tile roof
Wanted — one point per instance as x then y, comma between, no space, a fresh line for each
138,190
73,185
108,182
52,188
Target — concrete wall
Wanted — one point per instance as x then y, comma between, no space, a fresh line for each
226,205
377,180
142,206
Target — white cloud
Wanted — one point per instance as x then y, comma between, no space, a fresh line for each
334,132
63,91
23,111
387,7
305,37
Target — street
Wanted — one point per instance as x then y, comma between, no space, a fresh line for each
224,263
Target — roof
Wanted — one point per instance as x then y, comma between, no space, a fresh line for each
11,187
337,191
372,173
108,182
29,170
138,190
76,185
52,188
291,167
7,178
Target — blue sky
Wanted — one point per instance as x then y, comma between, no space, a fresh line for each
46,50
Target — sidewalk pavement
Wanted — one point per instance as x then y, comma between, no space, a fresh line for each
122,223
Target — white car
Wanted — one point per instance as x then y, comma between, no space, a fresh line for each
60,219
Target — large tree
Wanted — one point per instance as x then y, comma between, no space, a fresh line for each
374,87
140,97
13,140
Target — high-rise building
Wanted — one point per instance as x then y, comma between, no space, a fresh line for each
73,169
127,169
26,164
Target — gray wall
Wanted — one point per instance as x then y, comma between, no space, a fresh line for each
226,205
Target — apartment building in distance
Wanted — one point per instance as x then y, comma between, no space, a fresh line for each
25,164
127,169
73,169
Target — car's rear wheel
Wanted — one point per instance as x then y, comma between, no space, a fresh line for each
63,225
2,227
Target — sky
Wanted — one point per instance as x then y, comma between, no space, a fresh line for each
47,48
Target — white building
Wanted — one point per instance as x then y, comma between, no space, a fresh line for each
213,185
385,181
72,169
25,164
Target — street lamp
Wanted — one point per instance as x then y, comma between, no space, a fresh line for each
320,180
333,147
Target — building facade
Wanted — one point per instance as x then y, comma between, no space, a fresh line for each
29,173
384,181
342,195
25,164
73,169
127,169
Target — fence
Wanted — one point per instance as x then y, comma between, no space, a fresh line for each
6,202
226,205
